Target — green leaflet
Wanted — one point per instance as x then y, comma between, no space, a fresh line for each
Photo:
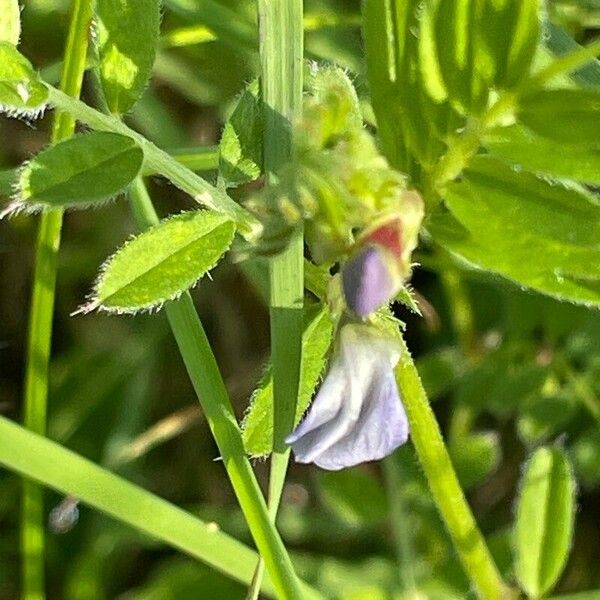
10,21
316,342
545,517
564,116
163,262
510,31
539,233
126,37
240,148
21,91
476,456
520,146
78,171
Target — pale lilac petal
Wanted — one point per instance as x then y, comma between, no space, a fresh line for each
368,281
357,414
381,428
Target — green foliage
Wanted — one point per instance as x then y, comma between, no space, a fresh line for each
563,116
10,21
21,91
240,148
126,38
78,171
316,342
545,515
476,457
163,262
540,233
523,148
344,493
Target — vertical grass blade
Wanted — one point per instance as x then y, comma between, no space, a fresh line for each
281,50
42,308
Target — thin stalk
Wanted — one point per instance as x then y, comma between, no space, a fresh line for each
195,158
445,489
401,530
159,161
41,312
212,393
281,51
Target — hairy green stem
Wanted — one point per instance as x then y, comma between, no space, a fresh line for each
159,161
281,51
41,312
445,488
214,398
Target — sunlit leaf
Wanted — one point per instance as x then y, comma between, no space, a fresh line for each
538,154
126,37
538,233
240,149
564,116
163,262
10,21
545,518
79,171
21,91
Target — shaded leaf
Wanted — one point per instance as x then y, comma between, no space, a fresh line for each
163,262
475,457
545,518
126,37
354,496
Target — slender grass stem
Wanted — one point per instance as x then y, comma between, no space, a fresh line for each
445,488
281,51
212,393
41,312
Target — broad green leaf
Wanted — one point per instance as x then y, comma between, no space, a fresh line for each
475,457
538,233
163,262
521,147
401,77
569,116
21,91
126,36
544,522
354,496
79,171
240,149
10,21
546,416
257,428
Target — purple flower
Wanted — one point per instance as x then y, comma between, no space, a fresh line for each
357,415
370,279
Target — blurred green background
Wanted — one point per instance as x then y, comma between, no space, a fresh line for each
506,370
